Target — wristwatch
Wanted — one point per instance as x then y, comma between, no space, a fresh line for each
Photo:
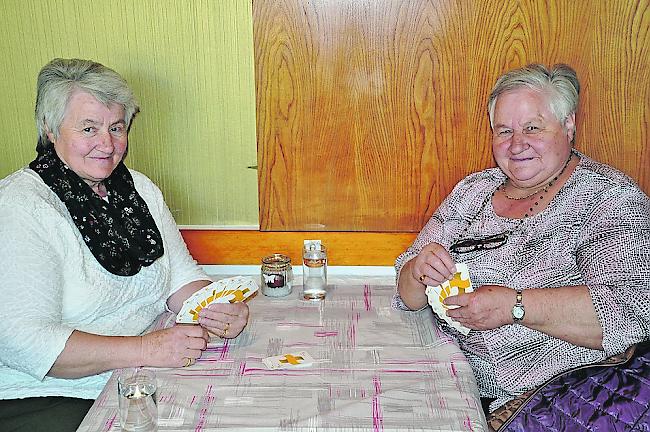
518,310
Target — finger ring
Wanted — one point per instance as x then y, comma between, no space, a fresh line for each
188,362
422,278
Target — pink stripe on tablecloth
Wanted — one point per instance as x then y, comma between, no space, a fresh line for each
352,335
326,333
414,362
201,423
109,422
377,415
311,371
468,424
367,297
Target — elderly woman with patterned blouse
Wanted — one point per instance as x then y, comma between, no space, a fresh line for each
90,256
557,246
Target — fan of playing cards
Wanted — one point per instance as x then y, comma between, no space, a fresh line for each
459,284
230,290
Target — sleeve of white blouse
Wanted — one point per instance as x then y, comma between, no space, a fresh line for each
31,334
183,268
614,256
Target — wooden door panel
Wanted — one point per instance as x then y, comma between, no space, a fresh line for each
369,112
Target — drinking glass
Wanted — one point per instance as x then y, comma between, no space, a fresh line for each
314,270
138,405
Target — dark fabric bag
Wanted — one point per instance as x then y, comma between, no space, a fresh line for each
610,396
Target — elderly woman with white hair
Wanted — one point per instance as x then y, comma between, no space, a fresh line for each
90,257
557,246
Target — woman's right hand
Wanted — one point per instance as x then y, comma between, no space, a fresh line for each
176,346
433,265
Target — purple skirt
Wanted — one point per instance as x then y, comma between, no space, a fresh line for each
610,396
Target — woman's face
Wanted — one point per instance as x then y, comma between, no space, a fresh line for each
529,144
92,137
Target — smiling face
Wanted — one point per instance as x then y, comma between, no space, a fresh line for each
529,144
92,137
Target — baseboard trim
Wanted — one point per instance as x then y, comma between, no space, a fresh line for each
247,247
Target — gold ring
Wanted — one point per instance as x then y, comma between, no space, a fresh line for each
422,278
188,362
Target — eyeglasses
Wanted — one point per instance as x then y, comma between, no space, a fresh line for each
485,243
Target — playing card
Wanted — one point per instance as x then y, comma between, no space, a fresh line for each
237,289
189,313
229,290
459,284
289,361
203,293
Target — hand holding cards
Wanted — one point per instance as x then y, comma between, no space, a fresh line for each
231,290
459,284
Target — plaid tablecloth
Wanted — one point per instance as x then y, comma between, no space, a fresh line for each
375,369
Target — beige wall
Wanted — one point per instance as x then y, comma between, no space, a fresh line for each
191,66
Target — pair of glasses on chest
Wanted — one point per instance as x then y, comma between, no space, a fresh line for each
485,243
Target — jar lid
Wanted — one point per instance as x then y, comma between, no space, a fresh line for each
276,261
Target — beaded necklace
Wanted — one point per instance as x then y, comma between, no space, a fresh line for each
529,213
544,188
503,189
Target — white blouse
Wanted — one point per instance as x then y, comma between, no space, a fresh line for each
51,284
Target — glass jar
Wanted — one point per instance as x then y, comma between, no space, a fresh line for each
277,275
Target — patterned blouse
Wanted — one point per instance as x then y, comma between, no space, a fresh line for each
595,232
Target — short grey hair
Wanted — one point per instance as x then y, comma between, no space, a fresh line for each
60,78
560,84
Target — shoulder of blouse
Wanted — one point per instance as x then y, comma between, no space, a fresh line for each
599,179
141,179
24,188
475,186
145,186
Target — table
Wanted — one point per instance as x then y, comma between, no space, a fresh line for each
376,369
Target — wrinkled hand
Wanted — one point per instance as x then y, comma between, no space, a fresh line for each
433,265
485,308
225,320
176,346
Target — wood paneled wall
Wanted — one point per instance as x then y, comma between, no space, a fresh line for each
369,112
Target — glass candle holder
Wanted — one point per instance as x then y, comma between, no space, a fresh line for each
277,275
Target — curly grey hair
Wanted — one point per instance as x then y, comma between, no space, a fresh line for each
60,78
560,83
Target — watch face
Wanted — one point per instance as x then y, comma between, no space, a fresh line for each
518,312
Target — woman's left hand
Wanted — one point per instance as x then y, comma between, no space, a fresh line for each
225,320
486,308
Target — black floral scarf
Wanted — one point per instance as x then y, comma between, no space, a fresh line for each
120,233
